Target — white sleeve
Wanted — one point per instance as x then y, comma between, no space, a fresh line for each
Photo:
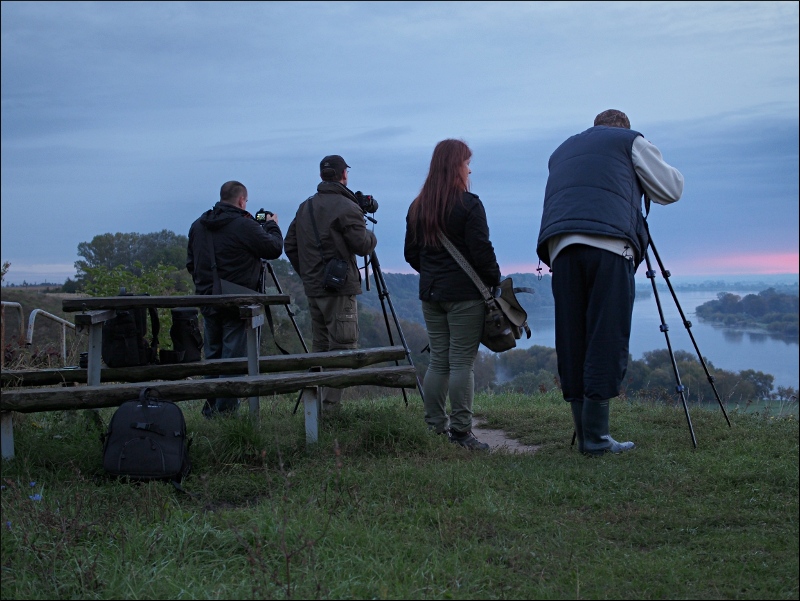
662,183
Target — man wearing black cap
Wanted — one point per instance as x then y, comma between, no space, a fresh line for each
322,242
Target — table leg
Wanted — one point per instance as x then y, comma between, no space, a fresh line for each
95,354
7,435
311,409
252,365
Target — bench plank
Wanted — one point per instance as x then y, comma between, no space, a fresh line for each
31,400
216,367
90,303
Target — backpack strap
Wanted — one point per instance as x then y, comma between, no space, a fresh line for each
272,330
155,328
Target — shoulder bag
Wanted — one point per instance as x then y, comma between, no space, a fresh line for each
505,318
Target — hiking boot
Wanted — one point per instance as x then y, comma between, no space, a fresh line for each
468,441
596,439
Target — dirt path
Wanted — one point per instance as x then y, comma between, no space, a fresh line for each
498,440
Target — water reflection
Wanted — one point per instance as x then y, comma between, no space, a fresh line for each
728,349
732,336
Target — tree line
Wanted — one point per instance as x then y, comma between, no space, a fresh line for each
155,264
773,311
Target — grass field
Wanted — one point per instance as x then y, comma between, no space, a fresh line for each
382,509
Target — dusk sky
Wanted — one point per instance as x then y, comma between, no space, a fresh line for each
129,116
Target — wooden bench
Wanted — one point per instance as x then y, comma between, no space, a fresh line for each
95,311
334,369
23,391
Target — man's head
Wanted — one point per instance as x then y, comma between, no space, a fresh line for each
613,118
233,193
333,168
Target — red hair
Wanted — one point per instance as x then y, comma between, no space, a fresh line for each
445,184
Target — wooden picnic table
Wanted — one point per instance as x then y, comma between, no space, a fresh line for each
96,310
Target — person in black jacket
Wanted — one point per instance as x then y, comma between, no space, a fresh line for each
593,237
451,303
229,236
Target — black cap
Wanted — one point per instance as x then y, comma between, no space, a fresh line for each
335,162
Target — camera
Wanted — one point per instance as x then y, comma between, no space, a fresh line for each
367,203
261,216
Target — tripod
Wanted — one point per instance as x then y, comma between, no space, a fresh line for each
266,266
651,274
383,295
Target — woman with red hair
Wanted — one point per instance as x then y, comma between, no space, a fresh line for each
451,303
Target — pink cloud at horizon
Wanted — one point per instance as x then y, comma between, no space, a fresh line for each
736,264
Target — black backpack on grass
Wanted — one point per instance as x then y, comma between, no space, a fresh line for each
125,337
146,440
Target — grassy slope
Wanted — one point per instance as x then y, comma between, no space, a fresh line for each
381,508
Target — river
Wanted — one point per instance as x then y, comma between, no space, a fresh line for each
731,350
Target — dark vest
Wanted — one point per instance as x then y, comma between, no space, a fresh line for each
593,189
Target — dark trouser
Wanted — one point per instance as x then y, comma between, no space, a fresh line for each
454,332
334,326
594,290
225,337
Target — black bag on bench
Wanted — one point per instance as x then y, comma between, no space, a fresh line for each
146,440
185,334
124,337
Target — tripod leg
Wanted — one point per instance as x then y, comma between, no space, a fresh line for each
288,310
664,328
688,325
384,292
383,295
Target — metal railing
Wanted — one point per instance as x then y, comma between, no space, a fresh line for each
64,325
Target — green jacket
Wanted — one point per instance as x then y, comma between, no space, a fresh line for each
342,232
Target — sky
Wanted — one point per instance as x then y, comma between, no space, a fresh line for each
129,116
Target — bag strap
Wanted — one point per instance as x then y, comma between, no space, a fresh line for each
155,328
155,324
464,264
216,286
271,325
316,231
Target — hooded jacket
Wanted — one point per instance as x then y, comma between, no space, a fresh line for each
440,277
238,242
343,234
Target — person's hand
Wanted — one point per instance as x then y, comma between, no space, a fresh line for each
262,216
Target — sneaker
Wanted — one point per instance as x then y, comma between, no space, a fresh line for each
468,441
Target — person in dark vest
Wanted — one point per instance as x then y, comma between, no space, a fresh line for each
593,238
230,238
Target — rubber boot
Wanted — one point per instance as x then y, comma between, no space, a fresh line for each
596,439
577,410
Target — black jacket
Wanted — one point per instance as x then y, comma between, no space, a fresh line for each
342,232
239,243
440,277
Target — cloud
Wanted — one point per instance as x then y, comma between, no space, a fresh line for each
127,117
